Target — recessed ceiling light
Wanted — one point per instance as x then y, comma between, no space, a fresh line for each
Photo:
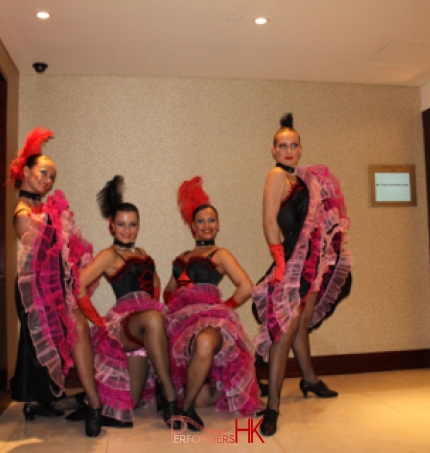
261,20
43,15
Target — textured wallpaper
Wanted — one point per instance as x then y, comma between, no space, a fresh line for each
156,132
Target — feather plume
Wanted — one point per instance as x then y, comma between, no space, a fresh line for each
287,120
33,145
111,196
190,196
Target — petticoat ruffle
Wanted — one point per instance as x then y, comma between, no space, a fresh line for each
232,373
110,359
51,254
320,257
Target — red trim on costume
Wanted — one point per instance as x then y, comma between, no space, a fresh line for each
167,296
128,334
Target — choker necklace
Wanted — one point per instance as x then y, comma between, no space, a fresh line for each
205,243
128,245
286,167
30,195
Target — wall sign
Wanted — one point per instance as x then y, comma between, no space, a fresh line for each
392,185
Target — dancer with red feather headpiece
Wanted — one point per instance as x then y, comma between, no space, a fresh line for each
54,332
212,358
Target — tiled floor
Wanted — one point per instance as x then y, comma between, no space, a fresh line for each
378,412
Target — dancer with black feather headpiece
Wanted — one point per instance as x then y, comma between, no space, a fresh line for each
305,221
130,343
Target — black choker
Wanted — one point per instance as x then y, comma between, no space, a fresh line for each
205,243
128,245
30,195
286,167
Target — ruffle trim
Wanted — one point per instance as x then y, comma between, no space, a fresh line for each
326,218
51,254
233,371
110,359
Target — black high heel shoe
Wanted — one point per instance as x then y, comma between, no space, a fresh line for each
30,410
191,413
319,388
93,421
159,398
268,425
171,409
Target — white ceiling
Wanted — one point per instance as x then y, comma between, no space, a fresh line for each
352,41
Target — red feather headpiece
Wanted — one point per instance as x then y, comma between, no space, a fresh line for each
190,196
33,145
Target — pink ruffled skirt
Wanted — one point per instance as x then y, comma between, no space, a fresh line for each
320,257
51,254
233,374
110,359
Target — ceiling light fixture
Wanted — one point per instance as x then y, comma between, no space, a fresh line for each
43,15
261,20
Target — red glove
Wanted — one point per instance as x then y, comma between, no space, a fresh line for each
277,251
89,311
167,296
156,292
231,302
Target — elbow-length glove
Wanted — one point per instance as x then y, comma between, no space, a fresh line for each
277,251
89,310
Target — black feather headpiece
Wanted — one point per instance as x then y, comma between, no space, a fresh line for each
111,196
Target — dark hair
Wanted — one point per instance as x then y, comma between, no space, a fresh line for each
286,122
32,160
125,207
204,206
110,199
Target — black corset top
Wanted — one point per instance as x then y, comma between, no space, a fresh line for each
197,269
136,274
294,207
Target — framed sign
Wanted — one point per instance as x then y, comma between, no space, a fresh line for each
392,185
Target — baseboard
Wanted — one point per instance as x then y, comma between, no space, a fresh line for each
359,363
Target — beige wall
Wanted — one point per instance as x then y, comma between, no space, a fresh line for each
10,73
159,131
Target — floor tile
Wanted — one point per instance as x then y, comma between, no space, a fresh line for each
386,412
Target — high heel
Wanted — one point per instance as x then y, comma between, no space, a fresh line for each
30,410
194,422
159,398
93,421
268,425
319,388
171,409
